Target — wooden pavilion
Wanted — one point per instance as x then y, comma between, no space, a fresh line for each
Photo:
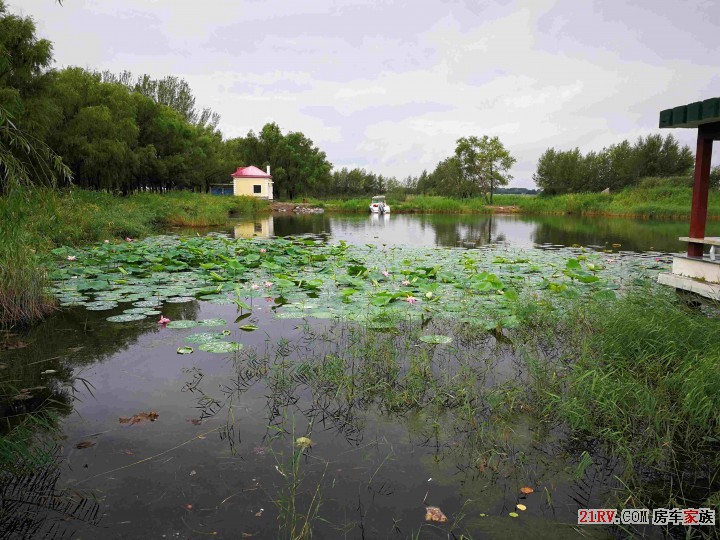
697,272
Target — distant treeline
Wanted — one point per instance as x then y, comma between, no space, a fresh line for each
124,134
616,167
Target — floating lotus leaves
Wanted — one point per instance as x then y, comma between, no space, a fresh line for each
212,322
127,317
436,339
185,350
204,337
182,324
482,286
220,346
100,306
179,299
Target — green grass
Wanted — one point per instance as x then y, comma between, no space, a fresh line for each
640,374
34,221
653,198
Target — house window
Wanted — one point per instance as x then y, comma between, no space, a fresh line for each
257,188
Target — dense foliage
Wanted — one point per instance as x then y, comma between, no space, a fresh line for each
616,167
478,167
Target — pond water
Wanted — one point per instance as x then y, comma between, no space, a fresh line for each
274,440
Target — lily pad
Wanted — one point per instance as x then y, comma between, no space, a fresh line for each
212,322
184,350
127,317
179,299
221,346
436,339
203,337
182,324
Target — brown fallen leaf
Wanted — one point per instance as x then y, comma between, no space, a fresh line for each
259,512
84,444
194,421
526,490
433,513
139,418
129,452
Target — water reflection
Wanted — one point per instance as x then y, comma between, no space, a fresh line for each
259,227
477,230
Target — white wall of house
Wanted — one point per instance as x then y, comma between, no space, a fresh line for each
253,187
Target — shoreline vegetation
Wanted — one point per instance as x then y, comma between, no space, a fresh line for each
653,198
35,221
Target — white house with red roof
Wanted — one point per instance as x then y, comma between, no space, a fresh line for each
252,182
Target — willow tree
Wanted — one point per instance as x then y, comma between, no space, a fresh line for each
484,164
24,59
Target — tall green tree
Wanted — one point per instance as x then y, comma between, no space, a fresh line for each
24,157
485,163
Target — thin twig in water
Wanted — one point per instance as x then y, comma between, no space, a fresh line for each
202,435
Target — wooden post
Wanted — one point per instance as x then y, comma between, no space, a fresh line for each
701,185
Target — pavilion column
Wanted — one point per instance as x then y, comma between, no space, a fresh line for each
701,186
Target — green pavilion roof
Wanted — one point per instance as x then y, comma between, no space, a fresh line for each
692,115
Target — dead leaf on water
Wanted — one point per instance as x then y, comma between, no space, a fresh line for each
513,514
303,442
259,512
526,490
521,507
195,421
129,452
433,513
188,507
139,418
84,444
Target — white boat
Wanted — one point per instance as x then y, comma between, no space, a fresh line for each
379,206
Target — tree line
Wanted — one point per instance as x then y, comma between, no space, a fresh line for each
122,133
615,167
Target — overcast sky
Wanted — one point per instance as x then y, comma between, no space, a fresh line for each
391,85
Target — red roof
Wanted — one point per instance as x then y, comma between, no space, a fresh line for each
250,172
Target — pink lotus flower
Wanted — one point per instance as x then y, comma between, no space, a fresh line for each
254,286
411,299
405,283
128,239
385,273
107,241
658,259
268,284
163,320
72,258
269,299
263,250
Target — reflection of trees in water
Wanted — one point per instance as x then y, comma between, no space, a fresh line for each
296,224
36,390
633,235
455,230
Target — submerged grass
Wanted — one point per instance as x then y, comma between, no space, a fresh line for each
34,221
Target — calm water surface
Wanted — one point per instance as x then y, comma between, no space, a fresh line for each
217,462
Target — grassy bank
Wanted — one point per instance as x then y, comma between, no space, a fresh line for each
639,375
652,199
32,222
